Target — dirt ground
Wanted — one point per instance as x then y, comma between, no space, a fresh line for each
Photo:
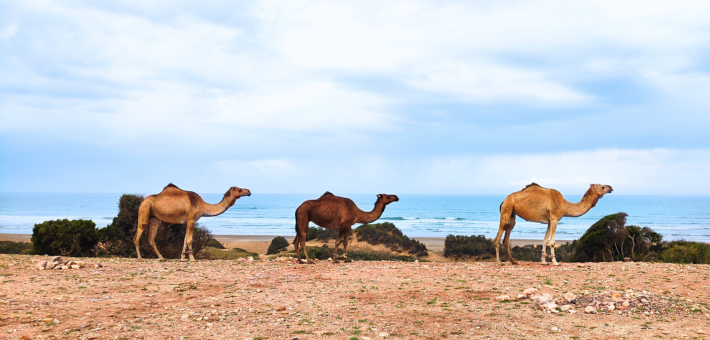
128,299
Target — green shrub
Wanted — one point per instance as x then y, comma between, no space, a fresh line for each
387,234
321,234
215,244
11,247
64,237
686,252
610,239
117,238
469,246
277,244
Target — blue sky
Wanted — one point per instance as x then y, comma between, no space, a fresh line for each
355,97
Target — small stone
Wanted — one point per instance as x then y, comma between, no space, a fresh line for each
384,334
241,259
184,316
611,307
571,311
522,296
555,329
700,331
65,267
75,266
569,297
50,265
530,291
56,259
250,259
590,310
565,308
503,298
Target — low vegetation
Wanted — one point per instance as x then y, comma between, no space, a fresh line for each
212,253
387,234
471,247
324,253
610,239
277,244
64,237
12,247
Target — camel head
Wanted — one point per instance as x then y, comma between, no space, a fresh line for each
237,192
600,189
387,199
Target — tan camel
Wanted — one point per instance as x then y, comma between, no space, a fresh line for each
333,212
177,206
537,204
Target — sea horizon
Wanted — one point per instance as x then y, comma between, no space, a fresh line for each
417,215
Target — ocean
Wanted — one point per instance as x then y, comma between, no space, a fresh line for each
674,217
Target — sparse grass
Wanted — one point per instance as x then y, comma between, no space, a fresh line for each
325,252
11,247
210,253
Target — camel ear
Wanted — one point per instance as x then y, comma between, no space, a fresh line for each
379,196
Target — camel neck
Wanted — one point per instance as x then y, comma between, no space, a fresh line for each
372,216
219,208
578,209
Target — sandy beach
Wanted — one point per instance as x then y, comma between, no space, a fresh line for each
260,243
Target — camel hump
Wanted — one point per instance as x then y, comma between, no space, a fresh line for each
327,193
170,185
533,184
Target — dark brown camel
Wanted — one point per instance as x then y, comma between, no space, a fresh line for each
333,212
177,206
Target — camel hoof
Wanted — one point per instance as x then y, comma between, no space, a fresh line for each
183,260
336,261
513,263
555,263
347,260
310,262
544,263
499,263
299,261
161,260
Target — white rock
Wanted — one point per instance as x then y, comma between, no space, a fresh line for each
569,297
551,306
590,310
565,308
75,266
384,334
503,298
250,259
530,291
522,296
555,329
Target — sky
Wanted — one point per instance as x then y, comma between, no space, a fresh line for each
412,97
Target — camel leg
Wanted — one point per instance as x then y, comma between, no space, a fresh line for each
188,239
154,224
345,245
346,236
551,241
506,240
296,242
337,244
504,222
544,245
137,238
302,238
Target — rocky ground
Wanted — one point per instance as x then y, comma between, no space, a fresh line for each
128,299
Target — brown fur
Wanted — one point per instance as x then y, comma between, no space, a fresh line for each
177,206
537,204
333,212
